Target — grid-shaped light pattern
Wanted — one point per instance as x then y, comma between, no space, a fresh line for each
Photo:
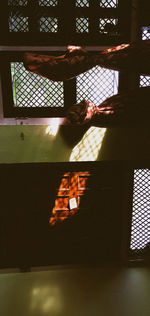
31,90
72,187
89,146
82,3
48,3
18,2
82,25
96,85
145,32
140,229
103,23
49,24
108,3
18,24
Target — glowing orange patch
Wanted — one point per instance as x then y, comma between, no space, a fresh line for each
114,49
72,187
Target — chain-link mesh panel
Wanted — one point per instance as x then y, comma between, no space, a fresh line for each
48,3
31,90
108,3
18,24
96,85
18,2
49,24
140,229
82,25
82,3
108,25
144,81
145,32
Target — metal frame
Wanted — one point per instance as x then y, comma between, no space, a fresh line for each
22,41
66,34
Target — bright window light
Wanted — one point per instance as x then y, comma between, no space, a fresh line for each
53,128
145,32
97,84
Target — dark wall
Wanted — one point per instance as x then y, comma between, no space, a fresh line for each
27,196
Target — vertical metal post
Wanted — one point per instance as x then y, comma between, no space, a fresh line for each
135,36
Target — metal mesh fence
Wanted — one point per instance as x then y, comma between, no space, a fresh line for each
145,80
145,32
107,25
82,3
96,85
18,23
48,3
49,24
17,2
108,3
31,90
82,25
140,229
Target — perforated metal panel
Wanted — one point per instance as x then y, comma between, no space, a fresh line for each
82,3
48,3
82,25
140,230
108,3
31,90
18,24
96,85
49,24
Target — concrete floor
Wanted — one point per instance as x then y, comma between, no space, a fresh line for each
76,291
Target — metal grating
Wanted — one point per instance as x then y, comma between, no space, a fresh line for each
17,2
96,85
48,3
82,25
18,24
108,3
49,24
145,32
140,229
144,81
108,25
82,3
31,90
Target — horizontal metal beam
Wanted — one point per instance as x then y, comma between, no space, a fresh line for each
46,48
